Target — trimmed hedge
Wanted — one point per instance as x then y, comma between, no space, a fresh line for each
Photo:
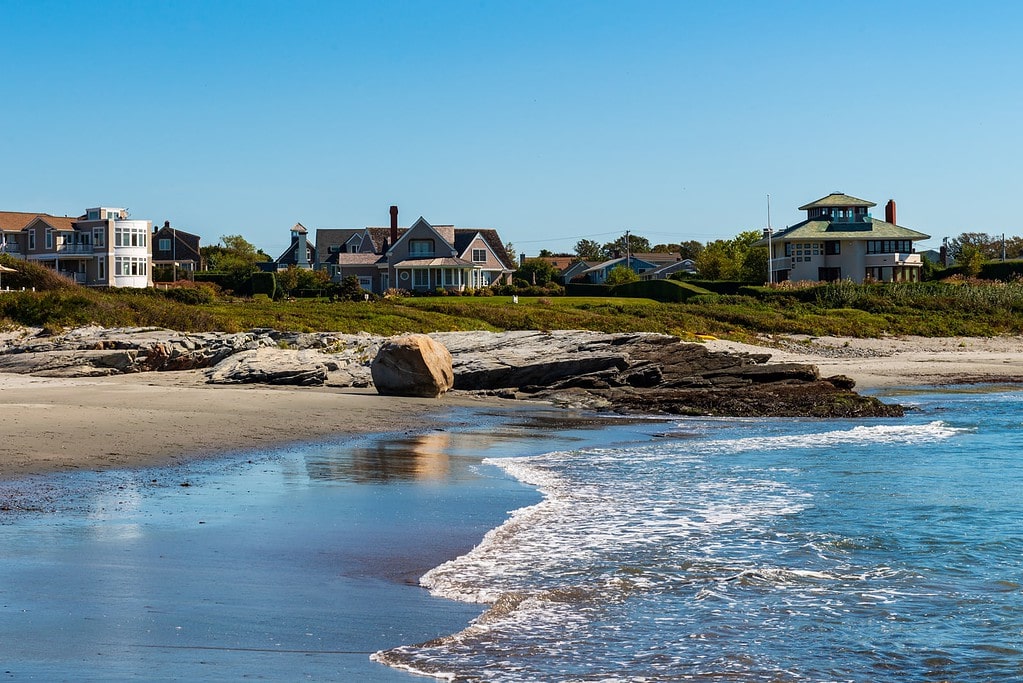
718,286
262,283
665,291
586,289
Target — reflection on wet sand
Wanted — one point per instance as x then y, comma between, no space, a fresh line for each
419,457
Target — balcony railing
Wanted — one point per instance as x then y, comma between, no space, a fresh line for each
894,259
12,249
74,249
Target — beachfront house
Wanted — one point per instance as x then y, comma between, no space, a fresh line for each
103,247
841,240
421,257
176,249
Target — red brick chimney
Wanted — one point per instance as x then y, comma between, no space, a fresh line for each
394,225
889,212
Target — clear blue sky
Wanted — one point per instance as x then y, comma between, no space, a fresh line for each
549,121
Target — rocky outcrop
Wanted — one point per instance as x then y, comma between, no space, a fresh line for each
638,372
414,365
648,373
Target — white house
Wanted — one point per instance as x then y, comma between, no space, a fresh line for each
841,240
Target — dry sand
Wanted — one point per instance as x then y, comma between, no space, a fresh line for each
162,418
898,361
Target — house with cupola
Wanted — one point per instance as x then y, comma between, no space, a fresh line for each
421,257
841,240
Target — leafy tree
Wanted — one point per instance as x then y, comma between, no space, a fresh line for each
690,249
587,250
537,272
670,248
235,254
989,246
313,279
621,275
545,253
971,259
635,244
734,259
287,280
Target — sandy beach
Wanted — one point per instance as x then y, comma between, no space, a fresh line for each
139,420
147,419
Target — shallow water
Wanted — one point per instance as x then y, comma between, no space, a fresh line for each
291,565
757,550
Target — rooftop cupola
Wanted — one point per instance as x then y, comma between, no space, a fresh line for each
838,207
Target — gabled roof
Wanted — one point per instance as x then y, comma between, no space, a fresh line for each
55,222
615,262
860,230
13,221
464,237
836,199
300,229
16,220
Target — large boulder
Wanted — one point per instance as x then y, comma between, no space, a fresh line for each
414,365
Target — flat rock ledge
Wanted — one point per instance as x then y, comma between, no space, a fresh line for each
626,373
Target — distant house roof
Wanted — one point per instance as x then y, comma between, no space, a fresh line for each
560,262
299,228
872,229
658,258
836,199
618,261
354,258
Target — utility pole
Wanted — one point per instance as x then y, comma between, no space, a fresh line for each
628,251
770,248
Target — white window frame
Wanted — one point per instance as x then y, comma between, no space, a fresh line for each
479,255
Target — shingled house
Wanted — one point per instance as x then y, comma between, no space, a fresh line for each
840,239
102,247
421,257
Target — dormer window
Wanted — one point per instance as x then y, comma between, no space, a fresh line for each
420,248
479,255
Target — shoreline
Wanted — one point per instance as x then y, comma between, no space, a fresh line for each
148,419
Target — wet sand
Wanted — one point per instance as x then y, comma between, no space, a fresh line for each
281,565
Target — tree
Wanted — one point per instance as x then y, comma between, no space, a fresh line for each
690,249
287,280
587,250
510,248
989,246
670,248
621,275
620,247
235,254
734,259
545,253
971,259
536,271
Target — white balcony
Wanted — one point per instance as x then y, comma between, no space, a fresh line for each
84,249
895,259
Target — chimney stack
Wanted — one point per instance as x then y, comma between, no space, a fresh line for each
889,212
394,225
166,224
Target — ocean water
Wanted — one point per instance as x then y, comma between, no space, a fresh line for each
756,550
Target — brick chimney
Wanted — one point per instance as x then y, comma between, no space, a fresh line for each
889,212
394,225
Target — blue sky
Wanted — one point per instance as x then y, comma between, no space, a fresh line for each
549,121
